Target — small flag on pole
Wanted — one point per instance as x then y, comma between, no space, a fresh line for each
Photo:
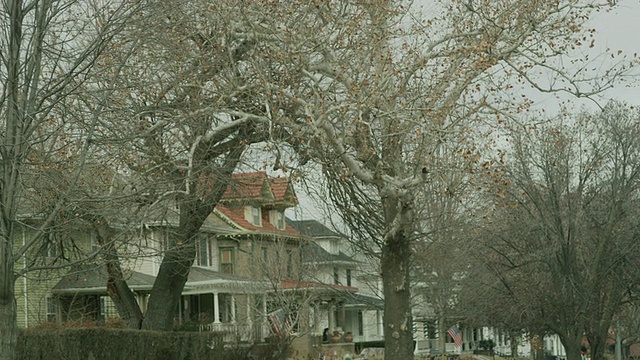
454,332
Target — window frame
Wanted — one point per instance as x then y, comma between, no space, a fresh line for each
52,308
50,249
222,264
256,215
204,243
280,221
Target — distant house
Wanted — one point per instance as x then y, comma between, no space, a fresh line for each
352,308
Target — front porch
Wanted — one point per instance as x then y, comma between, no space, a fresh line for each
240,317
227,303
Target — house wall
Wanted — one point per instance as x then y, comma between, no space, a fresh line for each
251,260
33,289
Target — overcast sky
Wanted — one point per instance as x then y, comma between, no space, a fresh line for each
619,29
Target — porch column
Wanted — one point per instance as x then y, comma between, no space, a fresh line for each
380,324
332,320
316,318
216,308
248,303
233,308
264,310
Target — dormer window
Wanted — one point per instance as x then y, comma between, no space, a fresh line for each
256,216
280,220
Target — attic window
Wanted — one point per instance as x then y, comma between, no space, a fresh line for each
256,216
280,220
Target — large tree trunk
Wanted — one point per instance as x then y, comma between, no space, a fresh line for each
398,336
514,341
175,266
165,295
442,335
8,316
123,298
597,346
572,345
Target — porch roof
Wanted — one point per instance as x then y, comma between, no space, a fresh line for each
317,287
92,279
204,280
363,301
316,254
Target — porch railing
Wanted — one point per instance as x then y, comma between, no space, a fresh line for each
234,332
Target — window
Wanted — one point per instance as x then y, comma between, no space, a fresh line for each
226,260
348,277
107,308
50,247
333,247
52,308
280,220
203,255
360,323
256,216
289,263
336,276
165,240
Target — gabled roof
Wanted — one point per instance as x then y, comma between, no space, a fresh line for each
257,187
312,228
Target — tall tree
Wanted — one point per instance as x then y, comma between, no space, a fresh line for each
369,89
183,114
47,48
566,248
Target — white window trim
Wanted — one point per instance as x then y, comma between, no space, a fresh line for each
253,215
280,222
51,308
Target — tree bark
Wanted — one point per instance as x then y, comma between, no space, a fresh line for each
596,347
167,288
572,345
398,337
123,298
175,266
395,265
8,321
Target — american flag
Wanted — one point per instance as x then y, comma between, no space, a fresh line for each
454,332
280,325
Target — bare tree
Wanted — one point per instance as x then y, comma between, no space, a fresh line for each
366,89
369,89
176,131
565,251
47,49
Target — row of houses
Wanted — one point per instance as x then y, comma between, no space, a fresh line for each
253,267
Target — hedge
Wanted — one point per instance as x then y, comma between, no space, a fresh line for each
109,343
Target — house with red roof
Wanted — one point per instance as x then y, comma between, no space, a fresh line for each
245,249
251,264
